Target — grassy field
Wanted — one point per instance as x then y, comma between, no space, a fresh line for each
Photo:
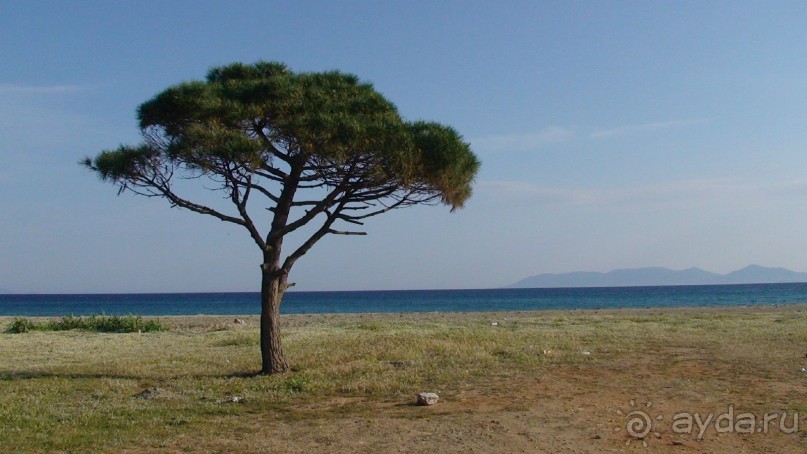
560,381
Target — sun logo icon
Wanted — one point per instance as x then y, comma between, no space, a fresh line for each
638,423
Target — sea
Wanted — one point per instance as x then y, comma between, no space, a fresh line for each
400,301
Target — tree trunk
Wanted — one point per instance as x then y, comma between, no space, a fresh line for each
273,285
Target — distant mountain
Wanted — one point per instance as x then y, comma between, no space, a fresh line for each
753,274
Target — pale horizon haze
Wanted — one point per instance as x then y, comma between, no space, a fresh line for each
612,135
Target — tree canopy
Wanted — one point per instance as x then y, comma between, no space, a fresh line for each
321,147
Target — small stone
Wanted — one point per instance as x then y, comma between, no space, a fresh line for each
597,437
231,398
427,398
494,324
149,393
587,353
239,321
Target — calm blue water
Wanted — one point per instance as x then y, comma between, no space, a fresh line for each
406,301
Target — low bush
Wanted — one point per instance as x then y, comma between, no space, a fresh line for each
21,325
103,324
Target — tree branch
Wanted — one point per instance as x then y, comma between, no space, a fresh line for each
294,256
180,202
241,205
341,232
269,144
316,210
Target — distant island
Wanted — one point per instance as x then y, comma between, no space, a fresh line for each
753,274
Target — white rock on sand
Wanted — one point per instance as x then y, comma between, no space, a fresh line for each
427,398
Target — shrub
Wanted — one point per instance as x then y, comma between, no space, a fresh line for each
114,324
68,322
21,325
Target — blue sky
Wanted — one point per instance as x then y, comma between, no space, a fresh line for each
612,135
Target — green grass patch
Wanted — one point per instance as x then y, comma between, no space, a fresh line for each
101,324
